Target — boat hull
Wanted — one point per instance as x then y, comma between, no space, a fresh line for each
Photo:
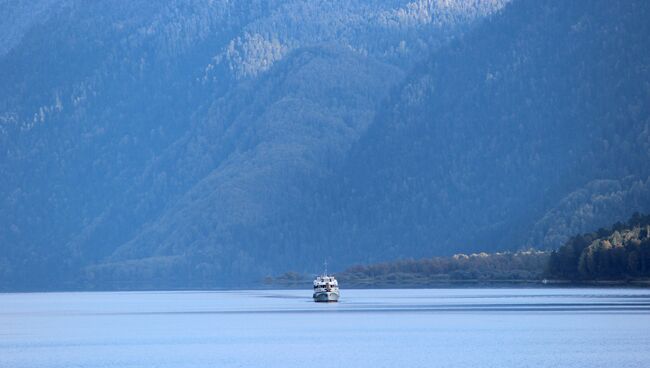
326,296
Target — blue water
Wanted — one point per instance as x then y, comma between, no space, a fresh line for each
368,328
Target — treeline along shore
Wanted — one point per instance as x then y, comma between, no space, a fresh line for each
618,255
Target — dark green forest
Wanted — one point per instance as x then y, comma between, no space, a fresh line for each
616,253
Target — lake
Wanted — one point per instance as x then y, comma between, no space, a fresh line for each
367,328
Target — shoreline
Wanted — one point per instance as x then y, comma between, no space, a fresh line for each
305,284
481,284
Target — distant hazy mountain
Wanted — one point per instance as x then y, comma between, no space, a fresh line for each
213,142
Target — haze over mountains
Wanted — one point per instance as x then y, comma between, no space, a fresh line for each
211,143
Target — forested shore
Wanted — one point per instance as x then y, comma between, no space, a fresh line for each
618,255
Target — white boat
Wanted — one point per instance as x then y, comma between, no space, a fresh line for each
326,288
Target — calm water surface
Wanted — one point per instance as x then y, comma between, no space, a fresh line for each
368,328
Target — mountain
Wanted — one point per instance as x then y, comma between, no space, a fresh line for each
114,116
527,130
211,143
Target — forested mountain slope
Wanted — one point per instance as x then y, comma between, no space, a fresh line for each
526,131
621,252
191,144
113,114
